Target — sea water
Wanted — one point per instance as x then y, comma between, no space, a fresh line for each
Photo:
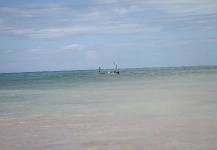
148,108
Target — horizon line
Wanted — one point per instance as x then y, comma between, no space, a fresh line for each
39,71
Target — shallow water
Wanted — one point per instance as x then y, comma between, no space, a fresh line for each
154,108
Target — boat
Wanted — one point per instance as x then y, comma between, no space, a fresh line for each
115,69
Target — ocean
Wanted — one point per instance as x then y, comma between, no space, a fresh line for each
139,109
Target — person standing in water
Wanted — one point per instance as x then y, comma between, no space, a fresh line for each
116,68
99,70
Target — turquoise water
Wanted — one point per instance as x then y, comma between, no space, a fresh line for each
149,108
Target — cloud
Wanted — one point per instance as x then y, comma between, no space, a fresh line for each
109,1
122,45
40,50
170,6
76,30
50,32
189,7
107,17
51,21
76,47
127,9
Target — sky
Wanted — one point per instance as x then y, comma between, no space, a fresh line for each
57,35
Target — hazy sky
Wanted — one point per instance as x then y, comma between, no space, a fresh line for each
74,34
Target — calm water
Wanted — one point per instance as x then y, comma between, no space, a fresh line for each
156,108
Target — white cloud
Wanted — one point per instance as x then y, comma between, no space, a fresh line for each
40,50
51,21
76,30
109,1
190,7
127,9
118,17
122,45
76,47
51,32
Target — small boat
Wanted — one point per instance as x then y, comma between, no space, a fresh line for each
115,69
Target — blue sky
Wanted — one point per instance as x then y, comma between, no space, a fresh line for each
72,34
